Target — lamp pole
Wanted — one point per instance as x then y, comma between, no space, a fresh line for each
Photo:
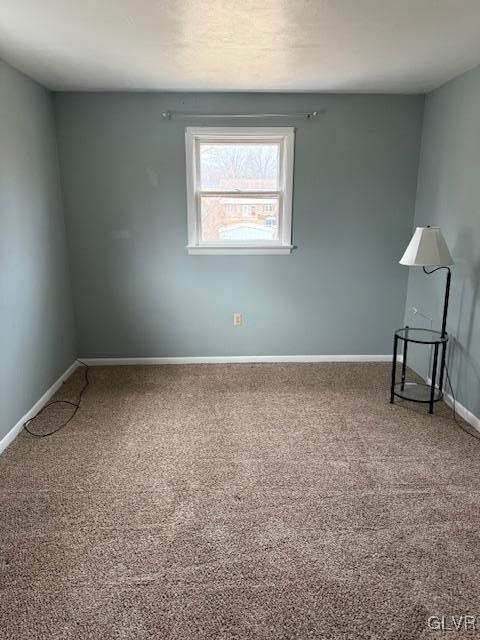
444,320
445,304
444,327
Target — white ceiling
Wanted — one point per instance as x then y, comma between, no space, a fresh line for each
241,45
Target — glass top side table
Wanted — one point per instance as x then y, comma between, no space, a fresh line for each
416,391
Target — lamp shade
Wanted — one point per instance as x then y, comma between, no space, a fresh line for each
427,248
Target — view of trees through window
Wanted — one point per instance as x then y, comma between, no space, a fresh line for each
243,177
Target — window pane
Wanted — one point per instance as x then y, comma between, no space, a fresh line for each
239,219
242,166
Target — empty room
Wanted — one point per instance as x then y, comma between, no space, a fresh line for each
239,319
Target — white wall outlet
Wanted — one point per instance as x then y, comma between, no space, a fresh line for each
237,319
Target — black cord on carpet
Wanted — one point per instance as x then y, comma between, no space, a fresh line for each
475,437
73,404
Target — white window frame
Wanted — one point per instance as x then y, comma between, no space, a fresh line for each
285,136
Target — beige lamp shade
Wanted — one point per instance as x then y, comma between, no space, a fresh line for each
427,248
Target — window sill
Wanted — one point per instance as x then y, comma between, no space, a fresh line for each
238,251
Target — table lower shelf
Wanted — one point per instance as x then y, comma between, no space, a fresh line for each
416,392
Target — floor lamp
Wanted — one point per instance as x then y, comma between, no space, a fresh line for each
428,248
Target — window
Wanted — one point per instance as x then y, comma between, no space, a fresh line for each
239,189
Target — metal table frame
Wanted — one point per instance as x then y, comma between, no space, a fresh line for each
440,339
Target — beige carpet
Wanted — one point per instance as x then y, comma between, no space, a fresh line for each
239,501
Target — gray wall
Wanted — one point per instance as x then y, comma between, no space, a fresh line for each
449,197
36,320
138,293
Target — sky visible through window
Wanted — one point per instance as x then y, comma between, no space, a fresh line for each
249,169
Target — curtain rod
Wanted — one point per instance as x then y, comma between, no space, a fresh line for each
168,115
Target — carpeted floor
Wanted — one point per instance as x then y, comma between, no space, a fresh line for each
239,501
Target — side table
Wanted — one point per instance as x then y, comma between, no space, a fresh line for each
416,391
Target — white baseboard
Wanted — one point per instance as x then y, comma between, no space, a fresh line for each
460,410
13,433
101,362
463,412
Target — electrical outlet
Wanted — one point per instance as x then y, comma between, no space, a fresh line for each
237,319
